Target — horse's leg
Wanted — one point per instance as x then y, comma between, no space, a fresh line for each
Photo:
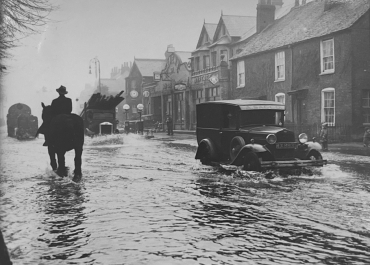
61,163
78,160
53,161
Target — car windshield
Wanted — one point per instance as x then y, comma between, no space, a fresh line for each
261,117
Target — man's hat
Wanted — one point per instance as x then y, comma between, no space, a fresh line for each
62,90
324,124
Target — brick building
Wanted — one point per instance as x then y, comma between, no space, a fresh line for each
169,92
141,72
210,59
316,59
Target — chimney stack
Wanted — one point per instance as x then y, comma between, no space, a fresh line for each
265,14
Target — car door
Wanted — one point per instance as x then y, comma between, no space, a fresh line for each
229,128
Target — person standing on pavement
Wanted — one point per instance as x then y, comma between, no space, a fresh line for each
324,136
366,139
169,123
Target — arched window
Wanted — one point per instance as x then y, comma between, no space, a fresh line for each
280,97
328,106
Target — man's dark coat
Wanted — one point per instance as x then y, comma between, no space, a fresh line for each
61,105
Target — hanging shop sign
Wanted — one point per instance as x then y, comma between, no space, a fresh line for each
134,93
214,78
180,87
146,93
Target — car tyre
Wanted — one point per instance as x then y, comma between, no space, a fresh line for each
252,162
208,153
314,155
236,144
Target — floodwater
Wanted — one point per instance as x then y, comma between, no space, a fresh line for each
146,201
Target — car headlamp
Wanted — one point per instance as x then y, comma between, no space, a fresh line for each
302,138
271,138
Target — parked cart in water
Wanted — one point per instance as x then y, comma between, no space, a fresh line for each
99,114
21,123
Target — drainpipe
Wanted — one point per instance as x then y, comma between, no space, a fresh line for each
291,81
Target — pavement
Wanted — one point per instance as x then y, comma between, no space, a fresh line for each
189,138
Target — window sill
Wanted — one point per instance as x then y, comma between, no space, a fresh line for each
328,73
241,86
279,80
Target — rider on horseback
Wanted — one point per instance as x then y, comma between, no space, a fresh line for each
60,105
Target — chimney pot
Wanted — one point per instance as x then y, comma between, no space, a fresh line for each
265,14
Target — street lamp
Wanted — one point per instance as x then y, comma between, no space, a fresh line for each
126,108
96,62
140,108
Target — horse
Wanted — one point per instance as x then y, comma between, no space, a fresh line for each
63,133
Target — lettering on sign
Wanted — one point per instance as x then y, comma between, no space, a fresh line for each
201,78
263,107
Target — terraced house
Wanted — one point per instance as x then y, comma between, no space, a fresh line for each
315,59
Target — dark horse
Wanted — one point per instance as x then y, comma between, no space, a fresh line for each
62,133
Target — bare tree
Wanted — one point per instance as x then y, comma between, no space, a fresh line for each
19,18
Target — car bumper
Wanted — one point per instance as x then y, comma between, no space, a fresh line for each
293,164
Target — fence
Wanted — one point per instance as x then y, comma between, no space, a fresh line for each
337,133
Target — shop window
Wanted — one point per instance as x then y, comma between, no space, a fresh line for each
280,66
213,93
179,107
327,56
328,106
240,74
197,96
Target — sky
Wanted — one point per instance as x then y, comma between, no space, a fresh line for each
114,31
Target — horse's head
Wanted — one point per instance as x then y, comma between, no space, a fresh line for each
47,113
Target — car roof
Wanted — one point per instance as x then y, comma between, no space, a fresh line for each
243,102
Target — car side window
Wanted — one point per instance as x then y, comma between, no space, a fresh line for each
228,119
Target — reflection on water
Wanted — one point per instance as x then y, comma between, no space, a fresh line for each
63,224
269,229
147,202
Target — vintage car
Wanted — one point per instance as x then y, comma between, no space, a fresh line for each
251,133
21,124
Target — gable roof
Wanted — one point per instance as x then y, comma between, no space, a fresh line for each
236,26
306,22
148,66
209,29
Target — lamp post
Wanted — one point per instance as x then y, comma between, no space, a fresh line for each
140,108
97,63
126,108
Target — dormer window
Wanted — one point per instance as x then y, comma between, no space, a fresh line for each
327,56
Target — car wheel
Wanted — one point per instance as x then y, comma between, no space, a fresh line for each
236,144
314,155
208,153
252,162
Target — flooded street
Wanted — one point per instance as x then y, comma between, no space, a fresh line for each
150,202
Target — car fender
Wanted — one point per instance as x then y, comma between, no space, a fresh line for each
202,144
256,148
306,149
